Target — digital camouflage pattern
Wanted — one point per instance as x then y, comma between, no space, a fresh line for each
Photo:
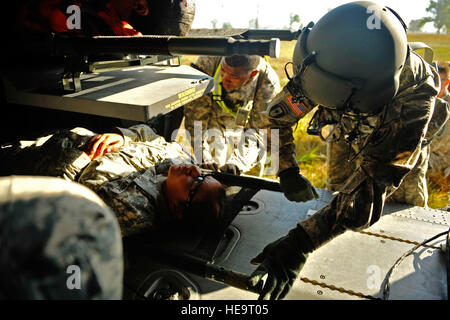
59,154
128,180
439,163
412,189
261,89
47,226
384,157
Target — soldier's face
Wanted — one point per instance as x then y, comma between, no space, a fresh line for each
180,180
235,77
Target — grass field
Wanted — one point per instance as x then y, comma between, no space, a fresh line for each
311,151
440,43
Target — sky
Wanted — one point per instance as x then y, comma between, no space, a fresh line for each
275,13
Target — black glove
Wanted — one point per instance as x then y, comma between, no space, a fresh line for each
295,186
230,169
282,260
227,168
210,166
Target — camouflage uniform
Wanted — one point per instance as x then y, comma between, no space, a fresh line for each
387,147
439,162
413,188
129,180
49,227
261,90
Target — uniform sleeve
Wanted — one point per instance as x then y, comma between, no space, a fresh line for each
394,149
137,133
439,119
200,109
268,88
207,65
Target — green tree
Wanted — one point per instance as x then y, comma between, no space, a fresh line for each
416,25
293,18
227,26
214,23
440,11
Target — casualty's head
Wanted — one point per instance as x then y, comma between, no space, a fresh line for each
237,70
195,200
350,60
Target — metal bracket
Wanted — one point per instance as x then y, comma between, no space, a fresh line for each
76,65
76,81
71,76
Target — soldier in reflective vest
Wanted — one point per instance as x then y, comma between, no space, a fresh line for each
231,127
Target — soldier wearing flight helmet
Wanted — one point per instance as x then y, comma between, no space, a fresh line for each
379,97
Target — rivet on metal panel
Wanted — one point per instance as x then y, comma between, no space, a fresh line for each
382,241
322,276
319,292
254,206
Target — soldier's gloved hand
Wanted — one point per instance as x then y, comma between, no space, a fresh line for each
282,260
210,166
227,168
295,186
230,169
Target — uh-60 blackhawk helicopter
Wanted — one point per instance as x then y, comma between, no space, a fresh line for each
52,81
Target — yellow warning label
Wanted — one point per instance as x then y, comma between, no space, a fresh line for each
185,97
186,93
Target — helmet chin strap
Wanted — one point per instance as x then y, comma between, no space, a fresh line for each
373,133
347,105
310,58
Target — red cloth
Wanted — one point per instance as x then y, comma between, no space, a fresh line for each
58,21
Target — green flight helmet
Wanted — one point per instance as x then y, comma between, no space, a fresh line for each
351,59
